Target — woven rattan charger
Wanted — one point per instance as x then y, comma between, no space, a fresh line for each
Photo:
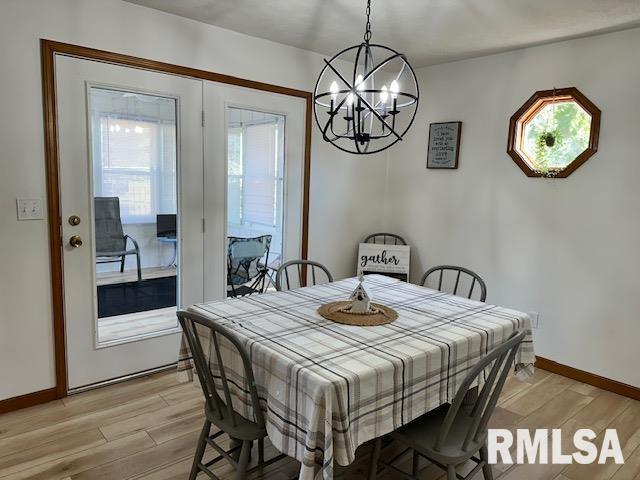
339,312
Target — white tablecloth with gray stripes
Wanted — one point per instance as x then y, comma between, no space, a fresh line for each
327,388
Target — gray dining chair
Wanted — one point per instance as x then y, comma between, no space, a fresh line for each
385,239
463,276
111,241
299,273
454,433
219,411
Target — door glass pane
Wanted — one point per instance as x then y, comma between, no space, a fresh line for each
255,174
133,142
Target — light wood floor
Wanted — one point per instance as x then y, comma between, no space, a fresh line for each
147,429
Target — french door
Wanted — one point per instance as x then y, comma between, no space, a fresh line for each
131,192
147,191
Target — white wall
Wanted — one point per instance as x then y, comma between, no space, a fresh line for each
345,190
565,248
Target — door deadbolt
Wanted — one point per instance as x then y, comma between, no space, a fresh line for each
74,220
75,241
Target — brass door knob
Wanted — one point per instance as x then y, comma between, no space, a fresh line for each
75,241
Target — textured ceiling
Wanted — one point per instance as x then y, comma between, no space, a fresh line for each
428,31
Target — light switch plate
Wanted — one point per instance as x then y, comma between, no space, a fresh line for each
30,209
535,319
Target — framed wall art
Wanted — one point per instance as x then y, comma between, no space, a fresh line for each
444,145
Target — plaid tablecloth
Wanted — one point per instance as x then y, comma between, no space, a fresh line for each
327,388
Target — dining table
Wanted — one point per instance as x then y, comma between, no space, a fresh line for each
326,388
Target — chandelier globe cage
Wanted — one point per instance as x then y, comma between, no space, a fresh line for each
366,97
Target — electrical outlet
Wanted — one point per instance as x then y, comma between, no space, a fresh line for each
535,319
30,209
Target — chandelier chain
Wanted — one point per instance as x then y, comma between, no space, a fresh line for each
367,31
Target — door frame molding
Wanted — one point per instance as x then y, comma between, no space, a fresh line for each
48,51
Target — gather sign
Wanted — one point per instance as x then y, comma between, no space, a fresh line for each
379,258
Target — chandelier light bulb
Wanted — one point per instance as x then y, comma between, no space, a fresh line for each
334,90
394,88
384,94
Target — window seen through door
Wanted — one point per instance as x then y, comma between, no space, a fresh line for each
255,144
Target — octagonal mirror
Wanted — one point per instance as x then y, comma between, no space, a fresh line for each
554,133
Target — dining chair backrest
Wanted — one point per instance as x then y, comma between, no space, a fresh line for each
222,408
108,225
495,366
463,278
385,239
299,273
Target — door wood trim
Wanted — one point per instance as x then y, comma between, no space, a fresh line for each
48,50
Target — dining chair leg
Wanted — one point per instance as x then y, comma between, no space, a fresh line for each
375,455
415,464
451,472
486,469
202,444
233,443
243,461
261,451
